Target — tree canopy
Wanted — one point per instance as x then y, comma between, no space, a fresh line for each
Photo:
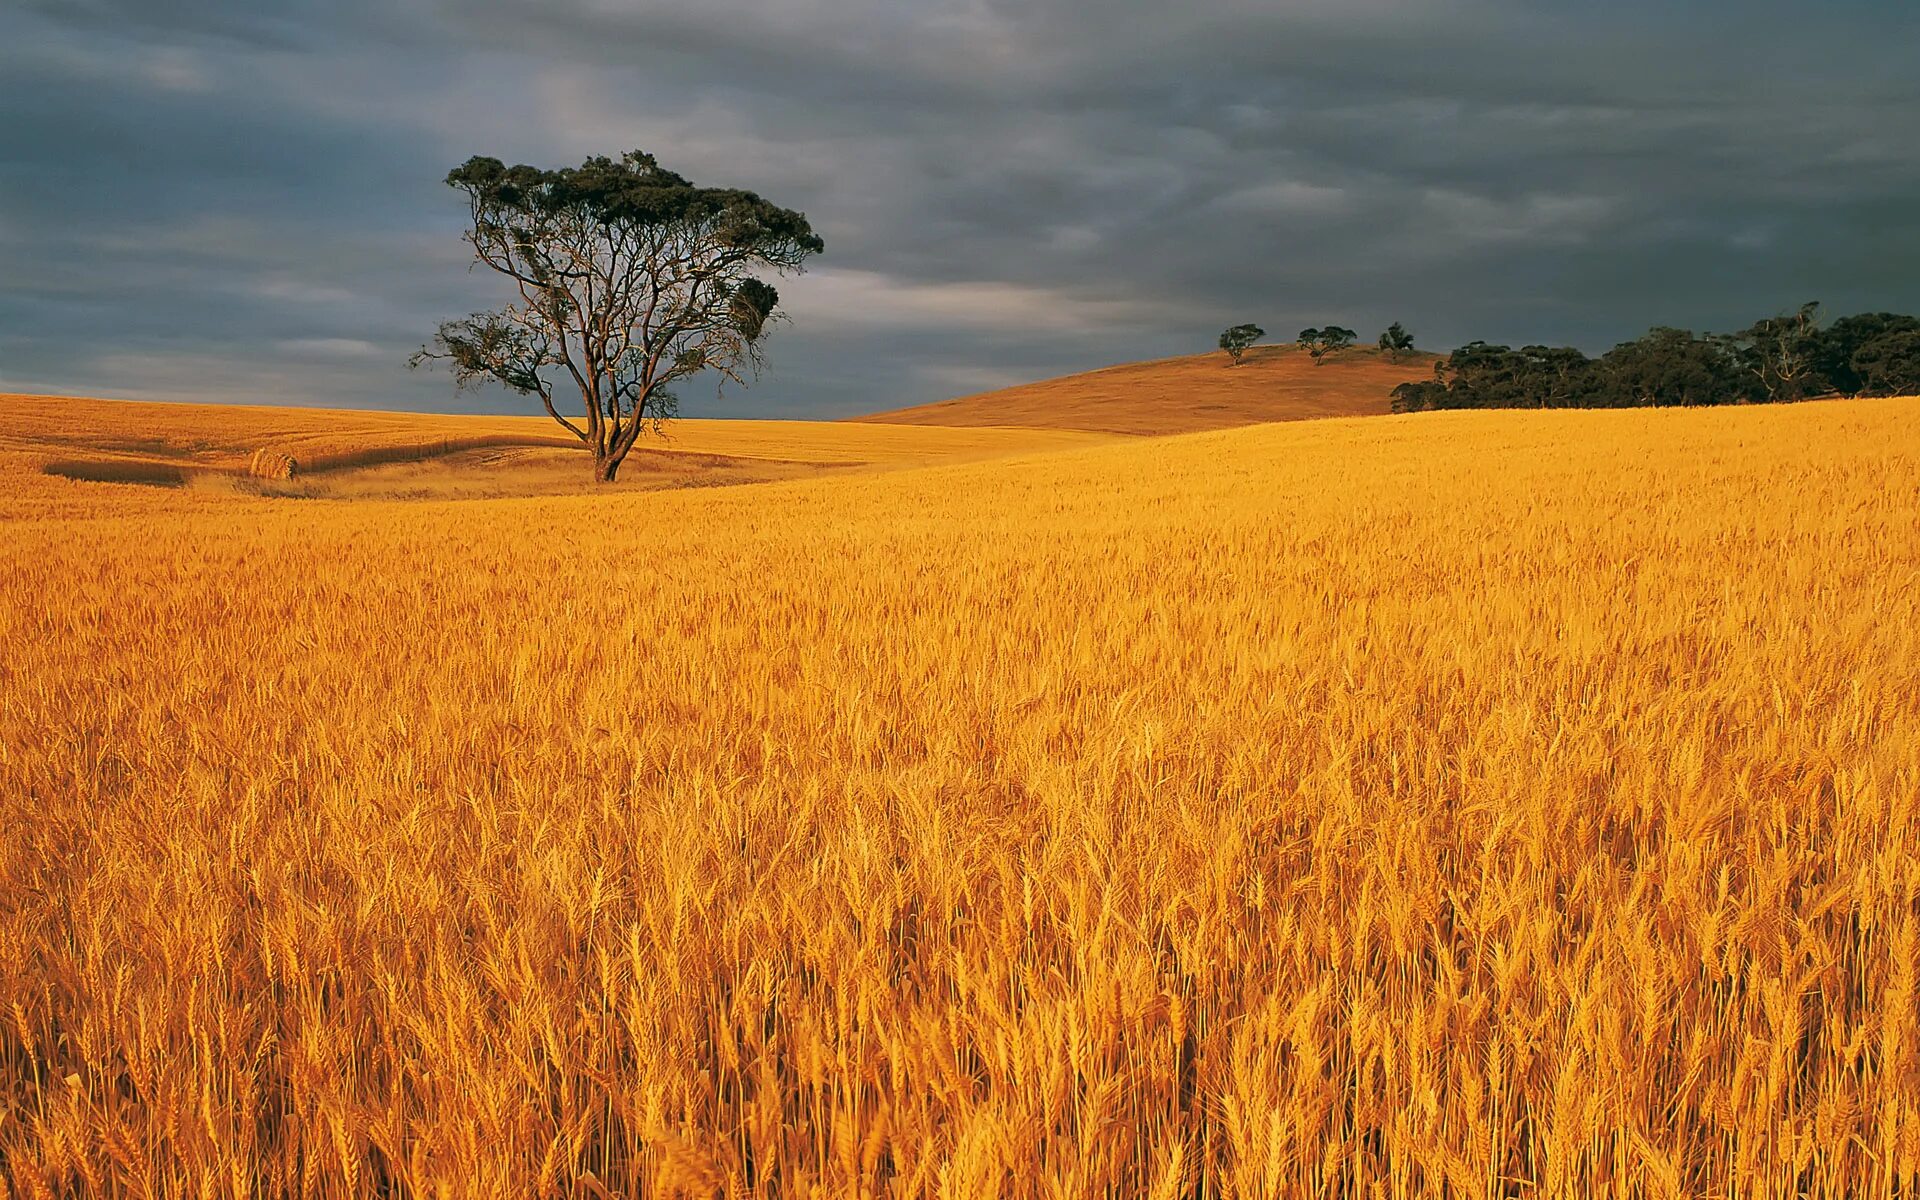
1781,358
629,280
1869,353
1395,341
1238,339
1321,342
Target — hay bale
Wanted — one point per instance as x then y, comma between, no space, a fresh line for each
272,464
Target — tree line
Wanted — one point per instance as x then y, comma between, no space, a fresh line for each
1317,342
1782,358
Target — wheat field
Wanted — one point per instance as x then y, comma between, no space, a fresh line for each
1467,804
362,455
36,428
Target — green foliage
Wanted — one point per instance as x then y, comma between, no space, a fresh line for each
1889,365
1671,367
1396,341
751,307
1668,366
1321,342
488,348
1238,339
1781,354
1781,358
1867,342
1530,377
1420,396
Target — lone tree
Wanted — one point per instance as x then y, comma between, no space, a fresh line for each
630,279
1237,340
1322,342
1396,341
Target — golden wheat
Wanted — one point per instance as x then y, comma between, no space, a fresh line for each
1477,804
227,436
272,464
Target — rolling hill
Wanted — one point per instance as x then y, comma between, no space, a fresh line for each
1185,395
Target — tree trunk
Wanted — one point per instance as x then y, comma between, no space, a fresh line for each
605,467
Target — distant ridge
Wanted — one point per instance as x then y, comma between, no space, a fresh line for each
1182,395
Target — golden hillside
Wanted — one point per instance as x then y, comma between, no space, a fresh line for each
369,454
1479,804
1182,395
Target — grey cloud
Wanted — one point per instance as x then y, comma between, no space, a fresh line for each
1008,189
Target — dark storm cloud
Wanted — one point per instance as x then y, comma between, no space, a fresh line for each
199,199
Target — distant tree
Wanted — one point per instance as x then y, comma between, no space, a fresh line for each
1419,396
1396,341
1782,354
1670,367
1321,342
1786,357
1238,339
1557,377
1841,342
1889,365
630,279
1478,375
1484,375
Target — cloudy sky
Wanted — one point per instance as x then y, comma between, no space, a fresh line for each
241,199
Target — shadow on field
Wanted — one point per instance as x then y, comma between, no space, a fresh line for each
379,456
460,469
151,474
499,472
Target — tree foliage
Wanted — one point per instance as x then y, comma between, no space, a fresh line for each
1672,367
1869,354
629,280
1321,342
1396,342
1781,358
1780,353
1238,339
1889,365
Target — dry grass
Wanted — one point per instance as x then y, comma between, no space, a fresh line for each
226,437
1183,395
499,472
337,454
1468,804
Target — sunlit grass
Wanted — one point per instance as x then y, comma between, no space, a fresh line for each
226,436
